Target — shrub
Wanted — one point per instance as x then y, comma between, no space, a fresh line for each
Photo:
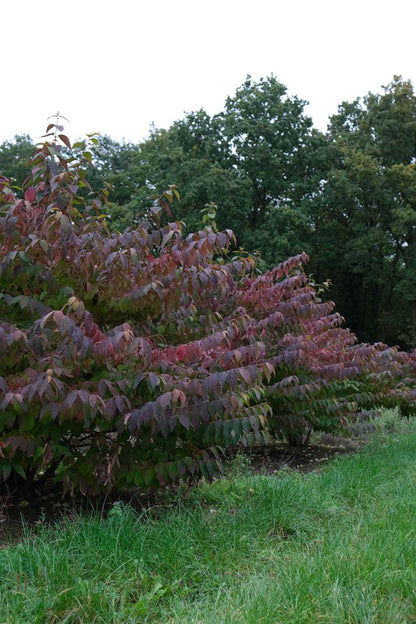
130,359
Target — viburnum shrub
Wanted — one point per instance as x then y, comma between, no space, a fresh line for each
131,359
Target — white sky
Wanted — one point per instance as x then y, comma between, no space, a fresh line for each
116,67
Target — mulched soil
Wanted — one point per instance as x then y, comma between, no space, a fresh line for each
272,458
18,511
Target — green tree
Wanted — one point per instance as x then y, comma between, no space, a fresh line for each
14,158
114,166
188,155
365,219
268,139
258,161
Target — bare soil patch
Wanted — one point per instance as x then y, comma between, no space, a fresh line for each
272,458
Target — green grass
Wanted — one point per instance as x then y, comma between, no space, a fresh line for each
330,547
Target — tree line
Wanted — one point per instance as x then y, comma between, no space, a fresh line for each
346,196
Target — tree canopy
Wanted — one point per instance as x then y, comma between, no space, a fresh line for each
364,218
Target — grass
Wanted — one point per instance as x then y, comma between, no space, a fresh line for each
329,547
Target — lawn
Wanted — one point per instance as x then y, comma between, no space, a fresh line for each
331,546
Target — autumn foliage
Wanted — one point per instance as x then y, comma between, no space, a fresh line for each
132,359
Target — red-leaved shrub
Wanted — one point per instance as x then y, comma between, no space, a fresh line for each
132,359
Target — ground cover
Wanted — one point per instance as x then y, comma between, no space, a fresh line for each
336,544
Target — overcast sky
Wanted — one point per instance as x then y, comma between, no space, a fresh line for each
116,67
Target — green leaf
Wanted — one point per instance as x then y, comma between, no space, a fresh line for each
148,475
6,470
44,245
19,469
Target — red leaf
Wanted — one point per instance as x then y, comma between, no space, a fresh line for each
184,420
30,194
178,395
65,140
165,400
